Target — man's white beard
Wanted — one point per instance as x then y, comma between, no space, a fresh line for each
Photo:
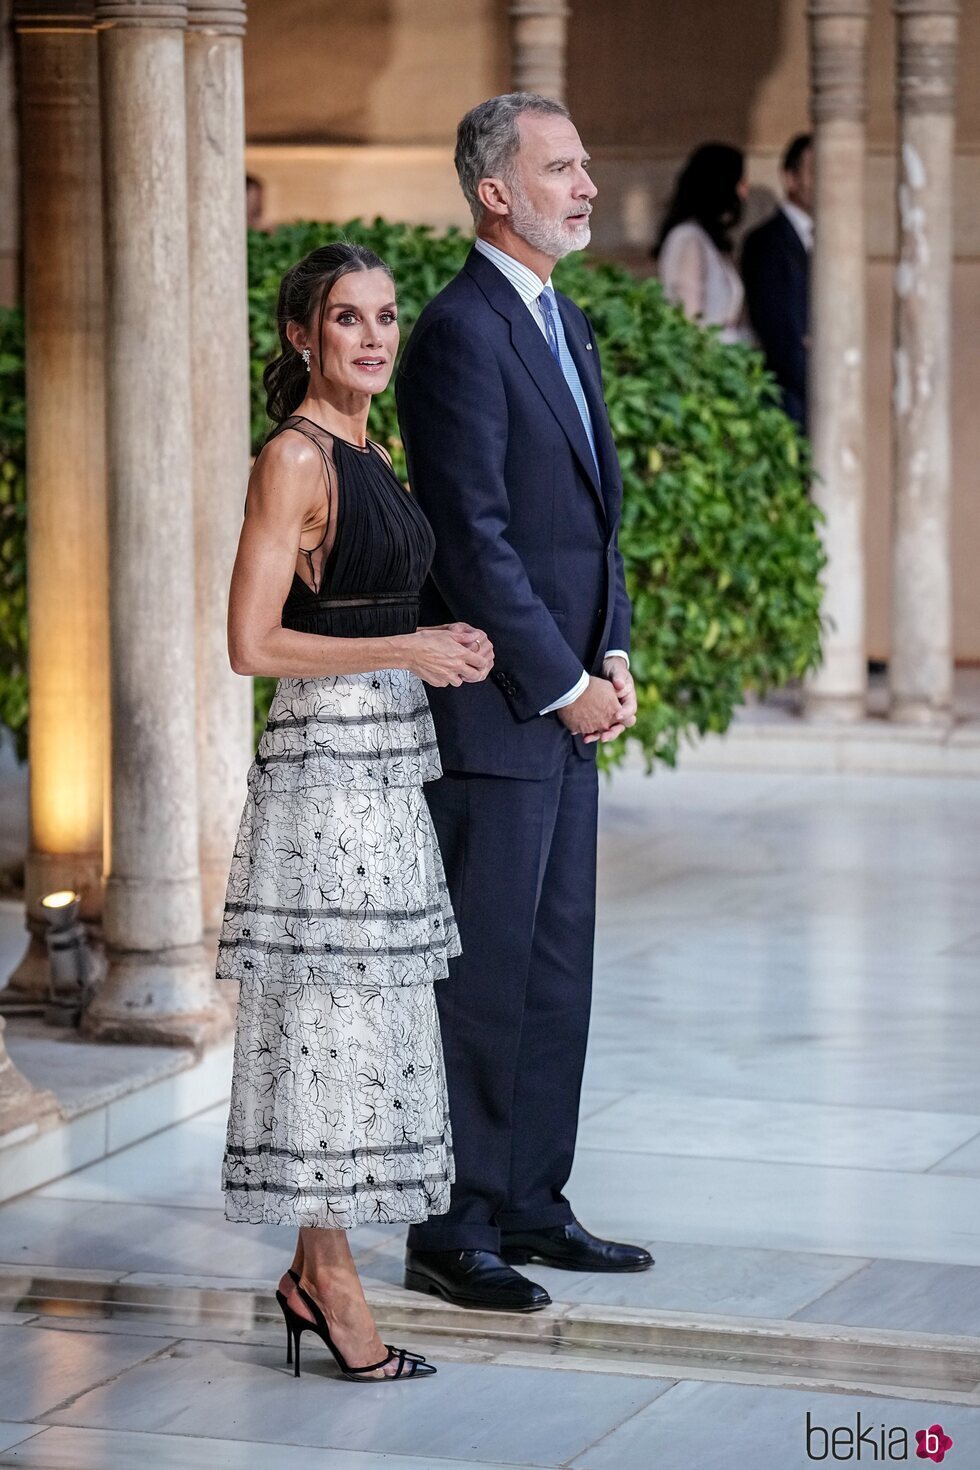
552,237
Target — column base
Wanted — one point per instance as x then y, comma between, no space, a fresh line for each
168,998
908,710
834,709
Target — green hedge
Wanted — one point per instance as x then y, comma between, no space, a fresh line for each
719,537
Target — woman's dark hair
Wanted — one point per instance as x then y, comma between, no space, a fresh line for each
793,156
303,293
707,192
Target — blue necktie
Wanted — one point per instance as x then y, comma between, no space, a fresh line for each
556,341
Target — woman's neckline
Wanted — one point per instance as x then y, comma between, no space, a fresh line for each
361,448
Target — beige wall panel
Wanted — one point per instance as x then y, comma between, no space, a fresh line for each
376,71
665,76
414,184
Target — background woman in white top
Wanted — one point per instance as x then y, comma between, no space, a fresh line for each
694,248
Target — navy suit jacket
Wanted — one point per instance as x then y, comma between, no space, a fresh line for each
526,529
776,272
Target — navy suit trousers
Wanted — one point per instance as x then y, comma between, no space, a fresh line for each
515,1008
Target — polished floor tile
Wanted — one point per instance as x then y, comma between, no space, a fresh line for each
965,1160
913,1296
100,1449
114,1236
848,1212
39,1370
467,1411
715,1426
715,1279
888,1063
11,1434
780,1132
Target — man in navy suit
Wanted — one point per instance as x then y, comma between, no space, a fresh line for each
776,271
510,454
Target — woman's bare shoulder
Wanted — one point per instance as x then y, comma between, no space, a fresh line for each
288,471
294,451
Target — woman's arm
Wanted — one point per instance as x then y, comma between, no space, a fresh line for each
682,271
285,495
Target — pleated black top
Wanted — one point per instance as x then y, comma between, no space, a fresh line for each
371,572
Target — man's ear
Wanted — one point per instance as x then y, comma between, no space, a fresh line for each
494,195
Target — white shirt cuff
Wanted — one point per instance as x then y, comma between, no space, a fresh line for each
618,653
568,698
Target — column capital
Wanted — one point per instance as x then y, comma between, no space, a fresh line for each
525,9
927,42
926,7
61,15
226,18
838,59
152,14
538,32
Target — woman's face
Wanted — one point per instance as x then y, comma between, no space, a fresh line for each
359,339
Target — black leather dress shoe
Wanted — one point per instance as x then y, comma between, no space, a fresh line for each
570,1247
473,1279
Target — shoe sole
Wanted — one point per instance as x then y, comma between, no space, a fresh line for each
526,1258
414,1281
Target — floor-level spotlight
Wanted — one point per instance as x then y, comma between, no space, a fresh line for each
68,957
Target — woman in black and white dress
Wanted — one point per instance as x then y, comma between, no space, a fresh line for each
337,920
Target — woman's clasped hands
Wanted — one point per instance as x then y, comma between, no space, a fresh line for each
453,653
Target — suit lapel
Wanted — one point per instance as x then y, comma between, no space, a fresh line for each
529,343
793,242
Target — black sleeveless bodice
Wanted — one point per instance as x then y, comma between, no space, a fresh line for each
382,547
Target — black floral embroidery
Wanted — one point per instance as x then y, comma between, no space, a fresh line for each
336,924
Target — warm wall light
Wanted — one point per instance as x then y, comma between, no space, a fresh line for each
68,957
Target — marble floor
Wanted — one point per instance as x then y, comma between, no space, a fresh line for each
782,1098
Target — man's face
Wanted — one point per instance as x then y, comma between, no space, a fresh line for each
551,191
799,183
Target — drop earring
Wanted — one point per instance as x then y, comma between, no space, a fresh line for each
305,354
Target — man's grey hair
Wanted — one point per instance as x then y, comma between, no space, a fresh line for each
488,138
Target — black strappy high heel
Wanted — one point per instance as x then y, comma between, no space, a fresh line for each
410,1365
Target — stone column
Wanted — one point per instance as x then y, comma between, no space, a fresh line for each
220,389
9,165
920,664
66,503
838,71
538,32
160,986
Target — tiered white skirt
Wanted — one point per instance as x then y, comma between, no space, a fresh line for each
337,922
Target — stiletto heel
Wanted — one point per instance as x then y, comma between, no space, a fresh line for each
291,1332
410,1365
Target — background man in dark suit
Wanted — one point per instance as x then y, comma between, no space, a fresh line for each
776,271
509,451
